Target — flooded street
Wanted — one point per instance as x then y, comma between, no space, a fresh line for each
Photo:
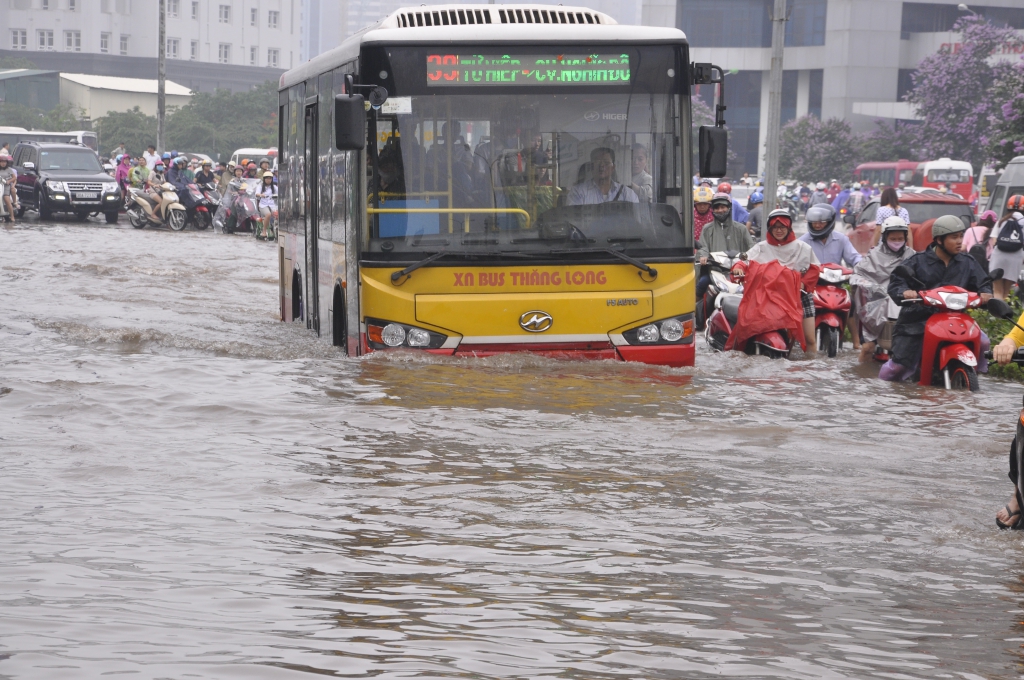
193,489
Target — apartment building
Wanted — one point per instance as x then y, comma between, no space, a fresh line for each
210,43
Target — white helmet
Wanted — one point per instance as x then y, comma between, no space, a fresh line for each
820,186
894,223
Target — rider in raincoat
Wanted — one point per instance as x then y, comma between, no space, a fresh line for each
870,281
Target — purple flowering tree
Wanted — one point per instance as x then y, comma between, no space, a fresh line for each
1007,120
952,93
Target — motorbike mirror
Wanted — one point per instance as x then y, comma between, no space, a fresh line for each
349,123
904,271
995,275
378,96
849,219
999,309
731,254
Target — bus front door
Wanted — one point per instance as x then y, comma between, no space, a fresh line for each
312,231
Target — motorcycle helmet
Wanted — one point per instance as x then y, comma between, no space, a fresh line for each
821,212
780,216
207,163
166,156
180,160
244,163
946,225
702,194
250,166
891,225
265,160
756,197
718,200
725,188
174,154
820,186
4,158
160,167
1015,204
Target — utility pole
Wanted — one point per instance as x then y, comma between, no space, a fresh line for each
161,79
771,159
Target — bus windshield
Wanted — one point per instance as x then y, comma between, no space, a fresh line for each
591,160
533,173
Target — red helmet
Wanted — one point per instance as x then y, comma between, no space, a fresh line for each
1015,203
725,188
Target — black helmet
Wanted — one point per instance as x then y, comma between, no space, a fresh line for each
821,212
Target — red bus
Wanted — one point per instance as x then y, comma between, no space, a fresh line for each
887,173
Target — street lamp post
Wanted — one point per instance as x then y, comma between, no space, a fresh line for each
161,79
771,156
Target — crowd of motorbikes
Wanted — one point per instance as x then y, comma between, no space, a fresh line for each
200,205
952,339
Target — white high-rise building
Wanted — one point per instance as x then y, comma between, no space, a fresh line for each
94,35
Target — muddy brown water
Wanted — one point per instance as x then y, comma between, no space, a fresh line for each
192,489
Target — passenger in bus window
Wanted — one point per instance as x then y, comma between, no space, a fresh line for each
602,188
643,183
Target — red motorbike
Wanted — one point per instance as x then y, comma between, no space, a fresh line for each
831,307
773,344
952,339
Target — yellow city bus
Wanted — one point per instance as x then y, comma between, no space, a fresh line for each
516,178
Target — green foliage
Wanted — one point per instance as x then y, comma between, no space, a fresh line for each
15,62
134,128
812,150
212,123
62,118
997,329
221,122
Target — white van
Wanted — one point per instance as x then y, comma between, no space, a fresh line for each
1011,183
255,155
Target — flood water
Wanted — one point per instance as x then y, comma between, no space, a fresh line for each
190,488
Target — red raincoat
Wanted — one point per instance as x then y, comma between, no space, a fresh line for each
771,302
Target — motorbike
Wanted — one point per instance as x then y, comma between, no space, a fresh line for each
773,344
719,264
237,211
211,201
196,206
142,210
952,339
831,308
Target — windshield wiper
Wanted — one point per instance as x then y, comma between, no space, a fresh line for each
395,276
614,253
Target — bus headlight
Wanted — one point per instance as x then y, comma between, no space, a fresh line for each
417,337
388,334
671,331
648,333
393,335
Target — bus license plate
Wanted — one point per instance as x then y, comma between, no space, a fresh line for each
87,194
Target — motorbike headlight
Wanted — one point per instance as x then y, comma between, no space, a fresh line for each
54,186
954,301
110,187
648,333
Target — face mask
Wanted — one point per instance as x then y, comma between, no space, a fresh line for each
895,248
721,218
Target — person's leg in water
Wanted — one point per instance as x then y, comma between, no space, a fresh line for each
807,302
1009,514
893,372
986,345
702,286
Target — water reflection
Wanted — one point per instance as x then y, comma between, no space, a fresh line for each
193,489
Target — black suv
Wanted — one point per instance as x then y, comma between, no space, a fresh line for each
64,178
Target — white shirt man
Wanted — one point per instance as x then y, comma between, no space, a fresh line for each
601,189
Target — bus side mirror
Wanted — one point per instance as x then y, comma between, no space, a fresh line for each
349,122
712,143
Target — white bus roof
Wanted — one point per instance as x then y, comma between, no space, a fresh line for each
511,24
948,163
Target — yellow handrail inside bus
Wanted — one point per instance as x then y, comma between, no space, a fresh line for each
452,211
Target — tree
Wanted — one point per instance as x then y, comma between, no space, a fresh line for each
888,142
134,128
15,62
19,115
218,123
62,118
812,150
1007,120
952,92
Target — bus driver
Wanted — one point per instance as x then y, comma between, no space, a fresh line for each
603,188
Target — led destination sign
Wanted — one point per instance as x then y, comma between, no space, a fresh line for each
454,70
